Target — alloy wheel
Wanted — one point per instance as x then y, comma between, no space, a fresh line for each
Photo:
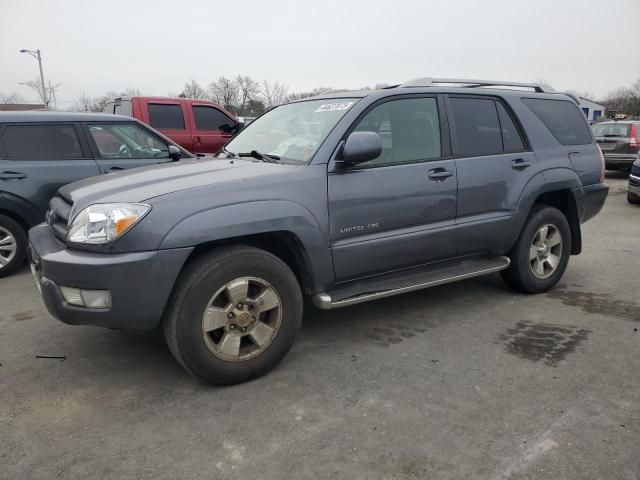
242,319
8,247
545,251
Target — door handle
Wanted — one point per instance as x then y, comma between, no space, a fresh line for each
439,174
12,175
114,169
196,140
520,164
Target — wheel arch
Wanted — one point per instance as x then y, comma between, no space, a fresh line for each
283,244
554,188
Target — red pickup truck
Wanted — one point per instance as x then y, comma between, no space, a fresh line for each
200,126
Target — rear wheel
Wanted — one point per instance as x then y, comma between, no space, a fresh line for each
234,315
541,254
13,245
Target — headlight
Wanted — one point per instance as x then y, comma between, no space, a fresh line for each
637,162
104,222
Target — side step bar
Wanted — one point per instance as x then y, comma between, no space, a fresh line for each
409,280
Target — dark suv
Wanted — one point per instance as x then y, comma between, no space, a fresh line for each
619,142
346,197
42,151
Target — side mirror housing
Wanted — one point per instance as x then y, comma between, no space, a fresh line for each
232,128
175,153
361,147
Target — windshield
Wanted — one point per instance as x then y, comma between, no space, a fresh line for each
293,131
611,130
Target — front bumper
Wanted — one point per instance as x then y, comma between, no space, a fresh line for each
634,185
140,282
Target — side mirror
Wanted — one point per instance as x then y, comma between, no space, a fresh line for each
361,147
175,153
232,128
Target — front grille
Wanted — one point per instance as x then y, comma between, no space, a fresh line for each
58,216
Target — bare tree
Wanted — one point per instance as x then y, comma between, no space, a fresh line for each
545,84
273,94
625,99
225,91
300,95
84,103
192,89
248,90
46,94
11,98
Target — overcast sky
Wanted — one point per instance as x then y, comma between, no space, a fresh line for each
157,46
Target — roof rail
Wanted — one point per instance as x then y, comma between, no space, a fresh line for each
429,82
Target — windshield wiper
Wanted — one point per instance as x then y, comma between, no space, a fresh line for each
229,153
260,156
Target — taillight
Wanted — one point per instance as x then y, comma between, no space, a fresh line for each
633,139
601,164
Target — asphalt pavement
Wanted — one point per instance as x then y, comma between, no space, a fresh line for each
464,381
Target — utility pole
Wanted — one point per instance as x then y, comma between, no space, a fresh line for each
37,56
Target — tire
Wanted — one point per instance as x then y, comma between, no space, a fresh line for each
631,198
207,284
521,275
13,245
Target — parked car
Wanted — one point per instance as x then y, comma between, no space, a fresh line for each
200,126
345,197
619,141
42,151
633,194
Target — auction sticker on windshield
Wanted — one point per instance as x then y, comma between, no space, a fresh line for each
334,107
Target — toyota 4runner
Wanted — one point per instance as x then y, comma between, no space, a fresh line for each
345,197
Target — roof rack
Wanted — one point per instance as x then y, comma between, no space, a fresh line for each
429,82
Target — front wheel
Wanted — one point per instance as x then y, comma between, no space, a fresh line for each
13,245
234,315
541,254
631,198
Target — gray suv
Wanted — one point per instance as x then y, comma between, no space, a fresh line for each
42,151
345,197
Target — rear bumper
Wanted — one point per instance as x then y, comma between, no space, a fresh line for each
625,159
590,200
140,283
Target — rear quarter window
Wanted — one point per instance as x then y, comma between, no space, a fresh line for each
166,116
562,118
41,142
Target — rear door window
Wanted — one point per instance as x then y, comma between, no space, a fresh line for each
210,118
166,116
562,118
41,142
477,129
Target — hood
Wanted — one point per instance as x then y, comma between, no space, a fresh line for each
142,184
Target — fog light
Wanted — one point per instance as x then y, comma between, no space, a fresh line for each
87,298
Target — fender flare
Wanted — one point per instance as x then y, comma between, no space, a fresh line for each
19,208
546,181
258,217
